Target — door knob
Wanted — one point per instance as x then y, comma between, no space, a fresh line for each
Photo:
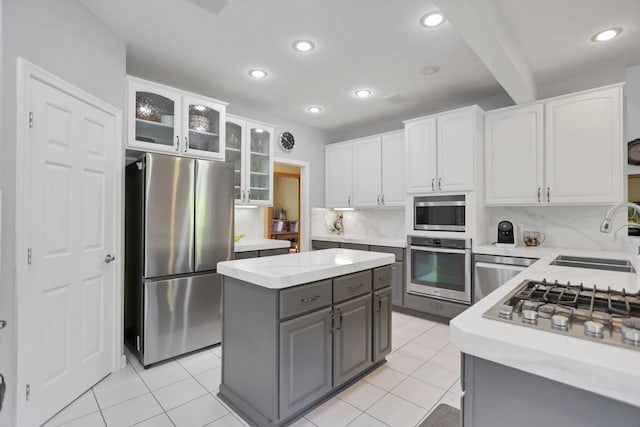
3,324
109,258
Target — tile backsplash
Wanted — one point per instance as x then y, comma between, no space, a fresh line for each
563,226
372,223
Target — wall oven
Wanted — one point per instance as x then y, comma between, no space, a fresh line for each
439,213
440,268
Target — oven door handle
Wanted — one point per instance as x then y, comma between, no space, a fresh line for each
429,204
442,250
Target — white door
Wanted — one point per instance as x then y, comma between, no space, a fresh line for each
68,307
421,156
338,175
514,142
367,172
456,138
583,148
393,170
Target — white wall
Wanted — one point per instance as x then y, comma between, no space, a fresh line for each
63,37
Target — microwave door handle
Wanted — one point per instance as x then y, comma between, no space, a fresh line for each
442,250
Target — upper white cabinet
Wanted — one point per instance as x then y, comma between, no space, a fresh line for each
566,150
338,165
249,148
514,156
164,119
378,171
441,151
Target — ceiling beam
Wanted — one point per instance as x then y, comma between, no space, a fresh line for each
481,24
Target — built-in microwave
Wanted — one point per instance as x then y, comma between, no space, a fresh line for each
439,213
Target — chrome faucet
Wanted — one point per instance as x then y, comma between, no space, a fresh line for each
605,227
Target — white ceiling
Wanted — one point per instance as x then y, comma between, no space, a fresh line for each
377,44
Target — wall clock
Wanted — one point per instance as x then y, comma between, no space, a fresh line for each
287,141
633,150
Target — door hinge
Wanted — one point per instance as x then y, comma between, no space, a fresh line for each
28,392
29,256
30,119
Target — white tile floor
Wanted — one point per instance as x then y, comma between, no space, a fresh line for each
422,371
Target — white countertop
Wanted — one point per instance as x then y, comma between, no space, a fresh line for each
600,368
363,240
283,271
260,245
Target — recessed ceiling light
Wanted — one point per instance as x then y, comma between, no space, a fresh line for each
258,73
432,69
432,19
362,93
303,45
606,35
314,109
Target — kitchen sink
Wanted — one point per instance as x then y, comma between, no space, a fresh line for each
594,263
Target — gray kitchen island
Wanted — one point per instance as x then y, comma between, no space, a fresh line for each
298,328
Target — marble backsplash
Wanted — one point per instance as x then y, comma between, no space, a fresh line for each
249,222
565,226
371,223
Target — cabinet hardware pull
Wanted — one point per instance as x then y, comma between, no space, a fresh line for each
349,201
186,144
378,200
310,299
538,194
548,194
383,199
177,143
248,196
354,287
439,184
433,184
242,198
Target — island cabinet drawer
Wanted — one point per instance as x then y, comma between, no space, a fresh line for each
351,285
382,277
305,298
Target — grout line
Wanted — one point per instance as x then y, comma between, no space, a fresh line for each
98,405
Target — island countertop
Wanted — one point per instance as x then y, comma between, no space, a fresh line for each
283,271
603,369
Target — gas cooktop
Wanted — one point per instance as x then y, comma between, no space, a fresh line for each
601,315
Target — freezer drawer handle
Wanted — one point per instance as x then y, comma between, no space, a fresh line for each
310,299
109,258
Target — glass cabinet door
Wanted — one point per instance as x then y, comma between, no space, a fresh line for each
155,115
260,140
233,153
202,127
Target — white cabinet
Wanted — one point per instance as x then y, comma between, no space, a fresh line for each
338,175
167,120
378,170
249,148
567,150
441,151
514,156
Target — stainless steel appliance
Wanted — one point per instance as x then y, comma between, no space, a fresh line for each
440,268
492,271
178,225
439,213
590,313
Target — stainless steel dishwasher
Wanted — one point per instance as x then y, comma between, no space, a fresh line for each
492,271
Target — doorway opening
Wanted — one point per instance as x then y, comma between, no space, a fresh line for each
282,221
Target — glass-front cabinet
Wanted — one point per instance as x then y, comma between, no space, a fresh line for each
249,147
164,119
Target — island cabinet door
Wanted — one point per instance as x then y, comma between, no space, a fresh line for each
352,338
306,349
381,324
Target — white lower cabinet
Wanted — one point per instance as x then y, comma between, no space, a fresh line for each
563,151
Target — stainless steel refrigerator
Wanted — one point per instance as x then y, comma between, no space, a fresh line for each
178,226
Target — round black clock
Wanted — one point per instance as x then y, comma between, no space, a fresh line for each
287,141
633,150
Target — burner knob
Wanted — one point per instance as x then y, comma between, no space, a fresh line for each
529,316
506,311
559,321
593,329
631,332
